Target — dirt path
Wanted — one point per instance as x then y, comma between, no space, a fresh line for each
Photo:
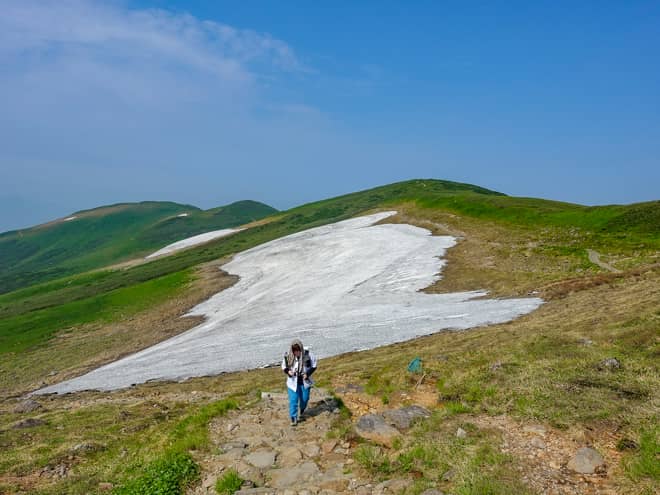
594,257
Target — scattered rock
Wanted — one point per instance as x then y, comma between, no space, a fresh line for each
404,417
289,457
328,446
87,448
497,365
256,491
350,388
391,486
295,476
274,395
28,423
261,459
585,341
27,406
225,447
535,429
310,450
461,433
104,486
448,475
537,443
587,461
626,444
432,491
373,427
609,364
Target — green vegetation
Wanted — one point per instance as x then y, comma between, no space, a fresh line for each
436,457
644,464
168,475
26,330
107,235
229,483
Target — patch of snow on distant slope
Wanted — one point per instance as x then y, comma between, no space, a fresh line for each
68,219
192,241
347,286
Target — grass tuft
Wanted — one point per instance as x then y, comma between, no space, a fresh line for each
229,483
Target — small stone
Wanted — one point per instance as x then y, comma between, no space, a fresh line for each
273,395
231,427
328,446
461,433
496,366
537,443
587,461
448,475
87,447
432,491
104,486
27,406
28,423
585,341
225,447
610,364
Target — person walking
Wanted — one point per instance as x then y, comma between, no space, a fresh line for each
298,365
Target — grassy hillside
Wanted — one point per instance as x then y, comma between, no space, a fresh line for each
543,368
107,235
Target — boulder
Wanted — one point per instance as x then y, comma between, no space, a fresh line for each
404,417
587,461
373,427
461,433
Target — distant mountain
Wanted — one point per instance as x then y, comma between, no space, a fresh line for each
110,234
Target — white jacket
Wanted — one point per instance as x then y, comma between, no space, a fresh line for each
292,381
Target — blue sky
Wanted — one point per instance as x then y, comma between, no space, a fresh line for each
288,102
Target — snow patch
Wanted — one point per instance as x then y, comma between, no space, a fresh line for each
343,287
182,215
192,241
68,219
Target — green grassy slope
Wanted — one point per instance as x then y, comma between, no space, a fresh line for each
107,235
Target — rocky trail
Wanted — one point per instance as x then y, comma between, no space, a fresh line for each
273,457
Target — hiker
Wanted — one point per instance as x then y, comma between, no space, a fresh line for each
298,364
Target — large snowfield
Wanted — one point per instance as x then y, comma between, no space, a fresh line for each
343,287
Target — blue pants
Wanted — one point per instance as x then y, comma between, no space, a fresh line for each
301,395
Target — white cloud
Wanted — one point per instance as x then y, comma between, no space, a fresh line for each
38,34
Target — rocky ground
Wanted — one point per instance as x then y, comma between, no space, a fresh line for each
272,457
